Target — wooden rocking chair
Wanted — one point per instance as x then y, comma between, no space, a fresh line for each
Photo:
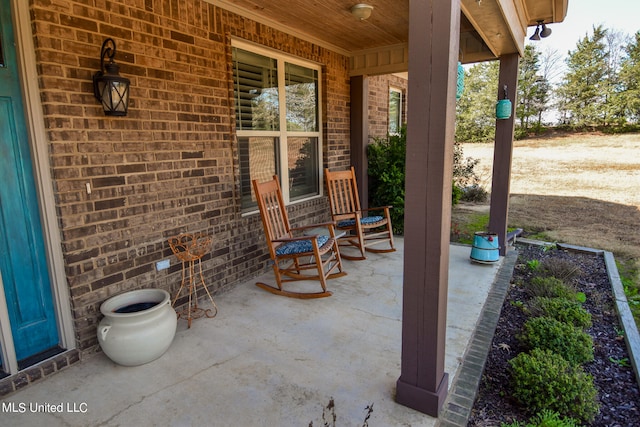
362,229
292,256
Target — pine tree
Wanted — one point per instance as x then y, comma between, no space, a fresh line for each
533,89
476,109
614,110
586,89
630,80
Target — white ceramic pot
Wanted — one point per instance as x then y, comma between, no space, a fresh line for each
137,327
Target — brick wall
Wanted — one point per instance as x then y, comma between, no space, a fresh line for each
170,165
379,103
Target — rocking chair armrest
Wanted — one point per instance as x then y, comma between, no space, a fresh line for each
354,213
361,211
376,208
318,225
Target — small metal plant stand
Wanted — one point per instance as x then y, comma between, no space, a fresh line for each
189,249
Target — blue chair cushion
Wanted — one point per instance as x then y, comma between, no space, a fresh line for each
367,220
300,246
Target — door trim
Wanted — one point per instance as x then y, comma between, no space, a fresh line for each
38,143
7,350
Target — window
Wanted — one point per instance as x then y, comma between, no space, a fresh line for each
395,111
277,122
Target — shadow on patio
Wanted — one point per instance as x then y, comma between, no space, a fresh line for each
267,360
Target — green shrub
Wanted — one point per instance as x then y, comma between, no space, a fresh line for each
562,269
386,169
573,344
456,194
548,418
545,418
533,265
550,287
466,185
562,309
520,133
543,380
464,173
474,193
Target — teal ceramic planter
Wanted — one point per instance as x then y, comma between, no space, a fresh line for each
503,109
485,249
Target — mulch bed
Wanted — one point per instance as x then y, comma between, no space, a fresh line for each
618,390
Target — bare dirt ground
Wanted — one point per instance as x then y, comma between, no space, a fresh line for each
581,189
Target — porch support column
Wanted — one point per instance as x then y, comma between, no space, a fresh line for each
502,153
360,134
434,31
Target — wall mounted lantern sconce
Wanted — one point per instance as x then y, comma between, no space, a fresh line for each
361,11
111,89
546,31
503,106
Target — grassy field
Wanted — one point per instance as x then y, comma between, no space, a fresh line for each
580,189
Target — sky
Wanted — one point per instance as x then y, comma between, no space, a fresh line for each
582,15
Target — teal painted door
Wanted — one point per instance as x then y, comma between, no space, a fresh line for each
23,263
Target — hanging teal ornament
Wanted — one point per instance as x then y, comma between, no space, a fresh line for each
460,82
503,107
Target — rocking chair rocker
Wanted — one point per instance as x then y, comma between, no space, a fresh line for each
362,230
292,256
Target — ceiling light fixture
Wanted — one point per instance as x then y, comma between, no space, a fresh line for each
361,11
546,31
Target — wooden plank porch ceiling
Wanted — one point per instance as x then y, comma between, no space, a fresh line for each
488,28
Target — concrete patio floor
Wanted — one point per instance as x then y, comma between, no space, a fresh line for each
267,360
